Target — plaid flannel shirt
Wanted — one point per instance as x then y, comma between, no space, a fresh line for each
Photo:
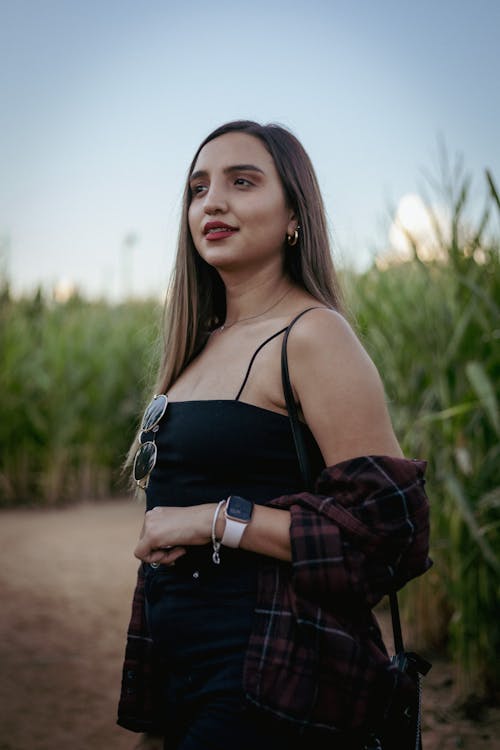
315,655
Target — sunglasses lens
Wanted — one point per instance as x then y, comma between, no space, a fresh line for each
154,412
144,460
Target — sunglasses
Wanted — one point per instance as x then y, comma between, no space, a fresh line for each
145,458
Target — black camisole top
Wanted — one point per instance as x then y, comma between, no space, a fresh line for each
210,449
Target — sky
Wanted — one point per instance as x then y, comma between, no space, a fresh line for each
104,102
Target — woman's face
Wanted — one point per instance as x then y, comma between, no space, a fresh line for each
238,214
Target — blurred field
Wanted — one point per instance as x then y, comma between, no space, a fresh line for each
66,581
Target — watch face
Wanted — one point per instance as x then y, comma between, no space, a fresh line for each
239,508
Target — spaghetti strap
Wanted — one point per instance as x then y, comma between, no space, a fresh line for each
247,374
278,333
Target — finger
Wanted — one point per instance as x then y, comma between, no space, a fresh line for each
159,555
167,557
175,553
148,543
143,550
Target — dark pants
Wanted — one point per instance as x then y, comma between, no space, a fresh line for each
224,724
200,617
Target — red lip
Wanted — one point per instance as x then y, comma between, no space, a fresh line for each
213,225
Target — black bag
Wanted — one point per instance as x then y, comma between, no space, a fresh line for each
402,728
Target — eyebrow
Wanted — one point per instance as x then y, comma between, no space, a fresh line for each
228,170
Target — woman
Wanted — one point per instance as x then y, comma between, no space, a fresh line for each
252,614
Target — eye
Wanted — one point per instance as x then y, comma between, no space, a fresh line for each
197,189
242,182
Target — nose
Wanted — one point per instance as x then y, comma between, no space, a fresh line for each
215,200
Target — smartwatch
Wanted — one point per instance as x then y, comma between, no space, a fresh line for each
238,513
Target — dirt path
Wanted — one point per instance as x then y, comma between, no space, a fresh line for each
66,580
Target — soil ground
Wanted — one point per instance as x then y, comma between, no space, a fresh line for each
66,581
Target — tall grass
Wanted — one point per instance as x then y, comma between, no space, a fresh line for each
434,331
72,379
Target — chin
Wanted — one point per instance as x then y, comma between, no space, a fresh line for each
218,259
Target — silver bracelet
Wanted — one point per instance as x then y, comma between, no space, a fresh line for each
215,541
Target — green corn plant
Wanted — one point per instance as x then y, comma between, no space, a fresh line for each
72,382
433,329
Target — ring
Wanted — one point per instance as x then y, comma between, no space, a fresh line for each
155,565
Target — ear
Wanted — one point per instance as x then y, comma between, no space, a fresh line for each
293,222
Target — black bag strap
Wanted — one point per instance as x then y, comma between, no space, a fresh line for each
298,438
298,435
396,623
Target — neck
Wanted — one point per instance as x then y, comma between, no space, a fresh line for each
251,298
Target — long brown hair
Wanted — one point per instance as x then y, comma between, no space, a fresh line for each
196,303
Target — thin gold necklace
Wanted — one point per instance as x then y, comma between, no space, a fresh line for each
225,326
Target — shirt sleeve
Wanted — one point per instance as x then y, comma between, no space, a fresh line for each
363,532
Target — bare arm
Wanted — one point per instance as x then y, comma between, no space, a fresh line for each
176,528
339,389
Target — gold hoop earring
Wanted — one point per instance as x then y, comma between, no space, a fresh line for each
292,239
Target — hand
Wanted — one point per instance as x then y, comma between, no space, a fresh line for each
167,531
149,742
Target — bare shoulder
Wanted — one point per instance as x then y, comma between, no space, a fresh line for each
339,388
325,335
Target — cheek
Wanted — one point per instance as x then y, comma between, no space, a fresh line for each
193,219
272,219
194,226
